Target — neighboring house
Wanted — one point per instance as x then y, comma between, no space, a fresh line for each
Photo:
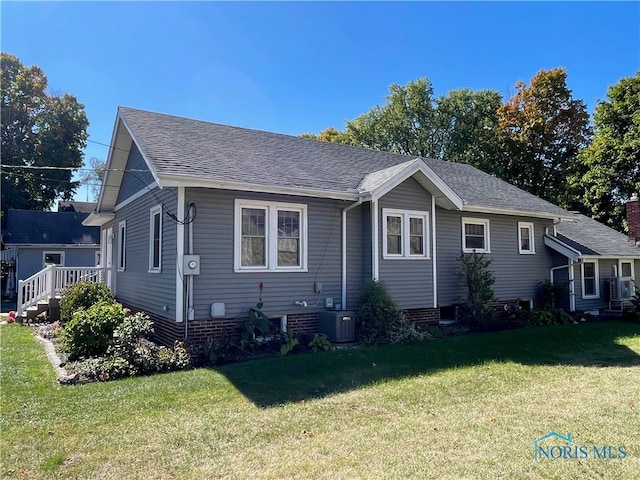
194,215
39,238
596,265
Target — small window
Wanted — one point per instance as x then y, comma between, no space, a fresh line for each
155,239
626,268
475,235
526,241
270,236
590,283
122,233
405,234
53,258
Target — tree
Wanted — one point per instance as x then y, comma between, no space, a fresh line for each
93,175
405,124
543,131
459,127
467,123
612,160
37,130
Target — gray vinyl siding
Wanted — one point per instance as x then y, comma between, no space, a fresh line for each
605,271
408,281
30,259
358,255
136,176
517,275
135,285
213,231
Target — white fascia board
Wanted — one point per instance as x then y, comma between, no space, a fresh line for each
140,193
98,219
184,181
432,179
516,213
562,248
109,161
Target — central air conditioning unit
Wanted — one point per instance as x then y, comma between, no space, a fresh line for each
338,326
621,288
621,292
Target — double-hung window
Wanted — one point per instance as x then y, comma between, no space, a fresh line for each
122,231
405,234
155,239
526,239
475,235
590,281
270,236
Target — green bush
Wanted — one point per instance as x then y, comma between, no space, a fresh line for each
90,332
82,295
379,320
477,276
320,342
554,316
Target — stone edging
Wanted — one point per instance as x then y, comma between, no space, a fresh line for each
62,376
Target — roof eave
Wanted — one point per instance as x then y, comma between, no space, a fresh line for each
98,219
562,248
196,182
516,212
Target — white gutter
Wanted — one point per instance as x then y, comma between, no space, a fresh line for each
179,258
516,213
434,261
344,251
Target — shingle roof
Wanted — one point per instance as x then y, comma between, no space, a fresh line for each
194,149
593,238
59,228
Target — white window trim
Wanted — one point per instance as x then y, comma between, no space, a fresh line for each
122,239
532,238
597,280
406,215
156,210
53,252
271,240
633,267
477,221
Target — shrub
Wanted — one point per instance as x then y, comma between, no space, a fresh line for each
82,295
320,342
478,278
379,320
90,332
554,316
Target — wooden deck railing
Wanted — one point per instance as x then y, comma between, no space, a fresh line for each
50,281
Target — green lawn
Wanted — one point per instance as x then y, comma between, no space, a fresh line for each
456,408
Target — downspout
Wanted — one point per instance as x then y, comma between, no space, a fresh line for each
344,250
434,262
190,309
179,256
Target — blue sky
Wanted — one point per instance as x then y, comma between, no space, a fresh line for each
294,67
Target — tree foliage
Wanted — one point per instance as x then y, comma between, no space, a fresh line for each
37,130
543,131
93,175
612,160
459,127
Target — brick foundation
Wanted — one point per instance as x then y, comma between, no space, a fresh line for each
219,330
423,316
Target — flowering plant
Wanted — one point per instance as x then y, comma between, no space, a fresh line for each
12,317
